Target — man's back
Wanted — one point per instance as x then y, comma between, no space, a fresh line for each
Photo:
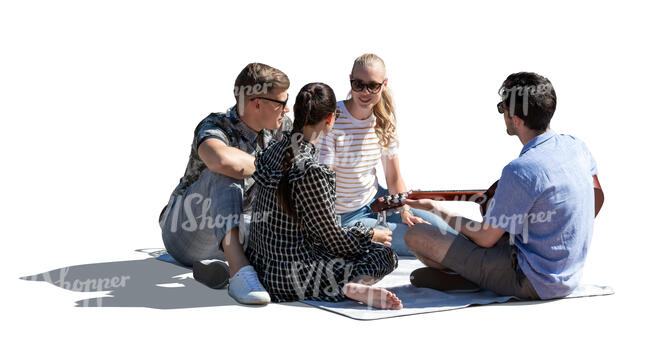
546,200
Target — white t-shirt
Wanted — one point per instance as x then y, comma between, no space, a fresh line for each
352,150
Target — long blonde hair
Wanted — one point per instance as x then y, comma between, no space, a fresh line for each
384,111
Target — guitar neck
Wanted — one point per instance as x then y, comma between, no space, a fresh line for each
448,195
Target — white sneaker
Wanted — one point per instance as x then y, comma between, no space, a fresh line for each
246,288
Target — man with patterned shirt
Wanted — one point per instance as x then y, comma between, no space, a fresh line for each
209,212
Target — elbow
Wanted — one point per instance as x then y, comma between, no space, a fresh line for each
488,236
483,243
218,165
487,240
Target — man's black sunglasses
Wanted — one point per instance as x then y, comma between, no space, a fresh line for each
501,107
283,103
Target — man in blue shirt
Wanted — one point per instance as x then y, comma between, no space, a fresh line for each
536,232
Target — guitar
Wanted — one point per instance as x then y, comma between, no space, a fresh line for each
481,197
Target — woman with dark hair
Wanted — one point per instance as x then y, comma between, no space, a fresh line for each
296,243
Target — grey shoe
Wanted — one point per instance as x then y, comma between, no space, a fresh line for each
213,273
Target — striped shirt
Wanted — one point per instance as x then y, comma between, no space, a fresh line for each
352,150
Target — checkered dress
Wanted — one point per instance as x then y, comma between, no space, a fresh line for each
310,256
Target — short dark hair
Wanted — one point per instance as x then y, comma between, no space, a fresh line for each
531,97
257,78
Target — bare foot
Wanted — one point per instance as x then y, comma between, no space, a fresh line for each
372,296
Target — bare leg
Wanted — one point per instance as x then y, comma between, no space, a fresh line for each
429,245
429,262
234,251
361,291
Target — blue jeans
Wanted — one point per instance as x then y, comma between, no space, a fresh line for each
394,223
194,224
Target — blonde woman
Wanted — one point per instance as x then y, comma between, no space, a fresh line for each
364,135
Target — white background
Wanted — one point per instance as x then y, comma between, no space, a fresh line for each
99,101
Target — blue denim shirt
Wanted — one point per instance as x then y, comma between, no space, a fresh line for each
545,200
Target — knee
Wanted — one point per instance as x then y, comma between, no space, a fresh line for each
412,237
182,259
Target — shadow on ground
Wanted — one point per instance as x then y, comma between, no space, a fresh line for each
149,283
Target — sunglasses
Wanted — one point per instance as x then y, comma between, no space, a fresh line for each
501,107
283,103
359,86
337,113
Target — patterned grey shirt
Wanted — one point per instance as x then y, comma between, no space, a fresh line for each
230,129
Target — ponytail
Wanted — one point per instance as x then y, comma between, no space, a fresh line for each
385,122
314,103
285,200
